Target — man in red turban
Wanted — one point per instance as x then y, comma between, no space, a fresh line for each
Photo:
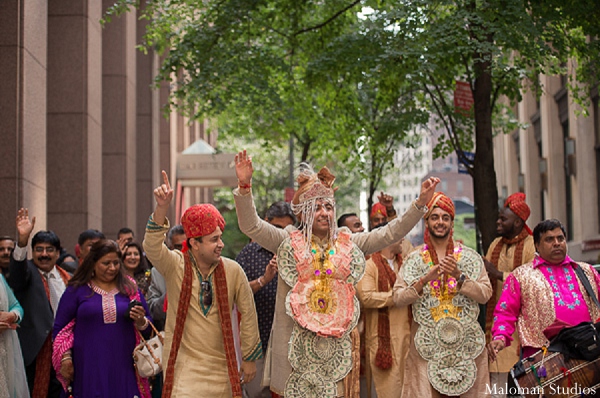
382,211
444,281
202,287
513,247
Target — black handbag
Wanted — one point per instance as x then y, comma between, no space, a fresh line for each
581,341
578,342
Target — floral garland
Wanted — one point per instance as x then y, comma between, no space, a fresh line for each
443,289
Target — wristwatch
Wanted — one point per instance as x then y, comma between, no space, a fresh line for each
462,278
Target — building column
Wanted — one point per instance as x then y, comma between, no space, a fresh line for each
553,144
530,159
23,53
119,122
74,119
147,131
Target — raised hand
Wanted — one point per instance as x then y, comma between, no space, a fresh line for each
386,200
24,226
243,168
427,191
163,193
270,270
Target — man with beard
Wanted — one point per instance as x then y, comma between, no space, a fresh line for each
444,282
512,248
543,295
315,348
38,286
7,245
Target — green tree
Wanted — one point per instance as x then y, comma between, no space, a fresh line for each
499,48
263,69
339,81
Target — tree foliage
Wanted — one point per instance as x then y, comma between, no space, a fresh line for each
348,79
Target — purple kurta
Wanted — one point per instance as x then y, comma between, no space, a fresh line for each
102,353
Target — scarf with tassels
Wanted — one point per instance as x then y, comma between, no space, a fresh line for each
519,241
385,282
222,301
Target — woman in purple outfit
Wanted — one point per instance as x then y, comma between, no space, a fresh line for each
94,330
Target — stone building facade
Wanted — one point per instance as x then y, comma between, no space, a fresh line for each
555,160
83,136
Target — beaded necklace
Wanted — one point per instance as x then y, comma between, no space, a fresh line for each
321,300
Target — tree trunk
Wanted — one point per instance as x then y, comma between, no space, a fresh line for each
483,173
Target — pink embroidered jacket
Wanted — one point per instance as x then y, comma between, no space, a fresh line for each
537,294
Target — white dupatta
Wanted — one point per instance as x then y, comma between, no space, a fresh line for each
13,383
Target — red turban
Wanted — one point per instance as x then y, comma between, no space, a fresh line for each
516,202
378,208
201,220
443,202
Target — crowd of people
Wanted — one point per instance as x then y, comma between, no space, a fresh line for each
313,305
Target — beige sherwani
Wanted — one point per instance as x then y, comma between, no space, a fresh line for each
416,379
270,238
388,383
510,355
201,367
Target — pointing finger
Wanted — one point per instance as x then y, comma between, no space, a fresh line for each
166,179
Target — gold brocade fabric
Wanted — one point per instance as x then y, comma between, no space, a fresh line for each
537,303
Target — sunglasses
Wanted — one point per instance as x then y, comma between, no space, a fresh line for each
206,293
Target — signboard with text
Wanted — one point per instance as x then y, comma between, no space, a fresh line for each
463,98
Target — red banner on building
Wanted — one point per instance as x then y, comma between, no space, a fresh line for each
463,97
289,194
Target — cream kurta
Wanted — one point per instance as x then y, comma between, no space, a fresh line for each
388,383
506,358
201,366
270,238
416,378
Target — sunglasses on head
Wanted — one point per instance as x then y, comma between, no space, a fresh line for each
206,293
